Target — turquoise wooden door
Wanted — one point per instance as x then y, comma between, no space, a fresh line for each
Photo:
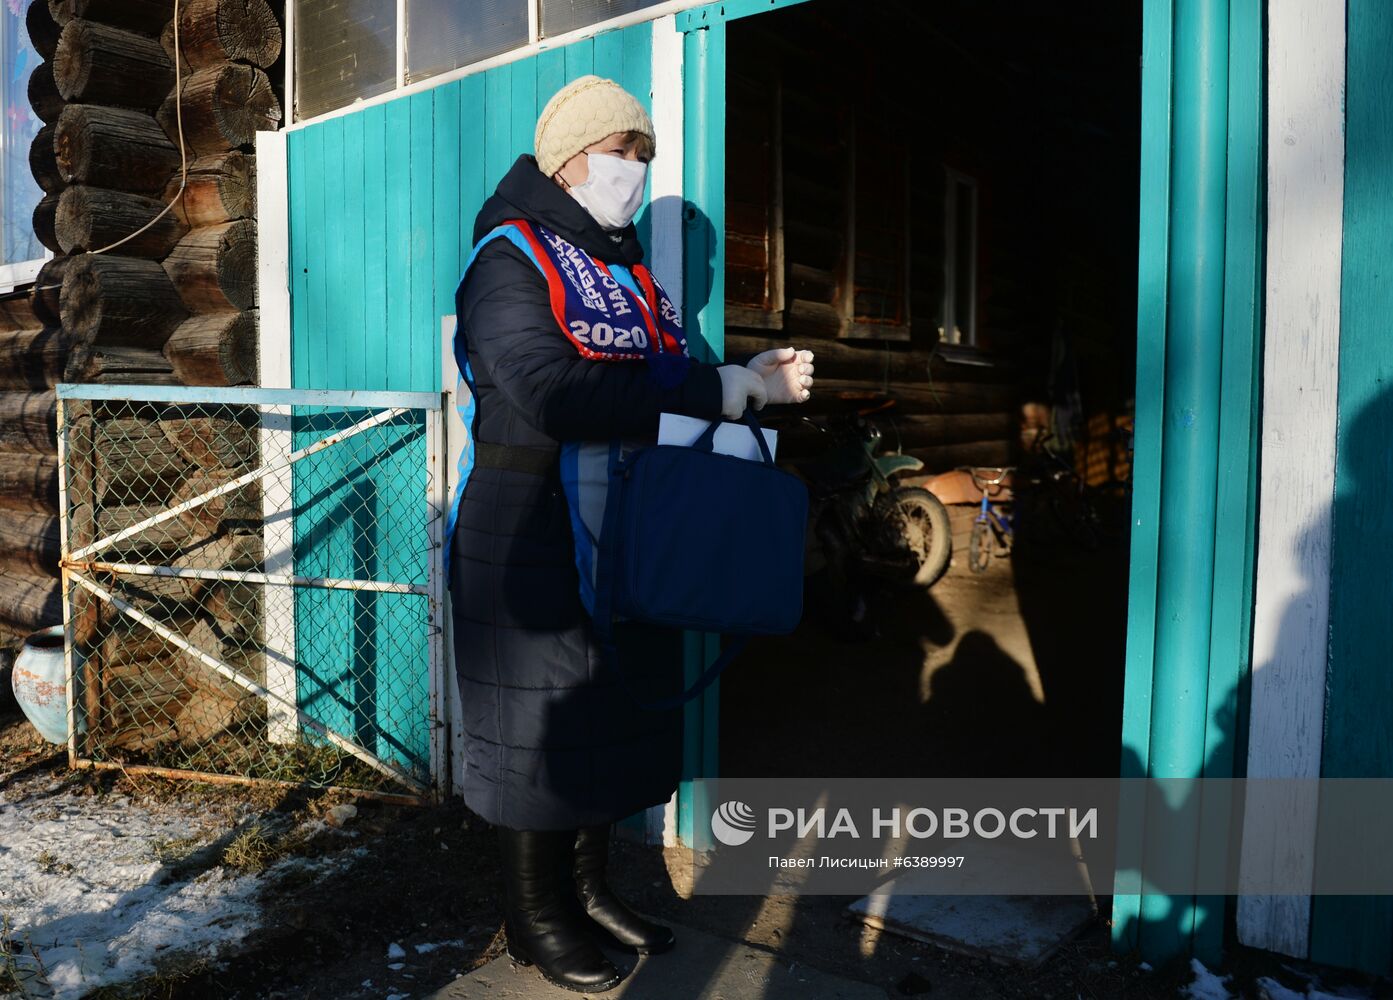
382,207
1190,598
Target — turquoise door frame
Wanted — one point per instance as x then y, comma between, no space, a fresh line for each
1198,392
703,294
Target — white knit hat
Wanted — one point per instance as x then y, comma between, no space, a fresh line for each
582,113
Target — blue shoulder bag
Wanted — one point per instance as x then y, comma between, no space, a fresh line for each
722,552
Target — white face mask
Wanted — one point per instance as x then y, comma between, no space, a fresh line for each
613,191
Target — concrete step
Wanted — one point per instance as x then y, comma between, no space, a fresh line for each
700,967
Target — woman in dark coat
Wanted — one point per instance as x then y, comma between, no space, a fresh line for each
557,747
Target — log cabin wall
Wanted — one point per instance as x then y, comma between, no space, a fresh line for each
173,304
858,136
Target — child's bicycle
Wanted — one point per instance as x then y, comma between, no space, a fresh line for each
994,532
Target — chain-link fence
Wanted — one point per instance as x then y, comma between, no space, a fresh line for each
253,582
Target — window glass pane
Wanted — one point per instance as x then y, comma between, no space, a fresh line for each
442,35
344,50
19,193
560,16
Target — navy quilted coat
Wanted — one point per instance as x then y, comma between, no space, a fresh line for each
555,739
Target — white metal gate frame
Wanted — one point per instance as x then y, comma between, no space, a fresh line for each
78,566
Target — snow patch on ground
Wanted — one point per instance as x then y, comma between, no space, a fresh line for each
1270,989
1206,985
88,902
422,949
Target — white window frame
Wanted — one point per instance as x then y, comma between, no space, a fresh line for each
952,178
535,44
20,272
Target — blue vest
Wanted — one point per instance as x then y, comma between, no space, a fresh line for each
609,313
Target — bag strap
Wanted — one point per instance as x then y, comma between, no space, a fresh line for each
708,436
602,615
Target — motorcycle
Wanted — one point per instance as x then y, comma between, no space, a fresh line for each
863,524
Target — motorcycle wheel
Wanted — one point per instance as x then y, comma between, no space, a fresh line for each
911,522
979,548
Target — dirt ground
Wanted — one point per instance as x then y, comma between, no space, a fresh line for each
1014,672
429,877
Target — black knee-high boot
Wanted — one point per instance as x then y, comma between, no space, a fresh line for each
625,926
543,925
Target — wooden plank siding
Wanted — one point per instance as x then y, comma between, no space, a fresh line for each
1357,931
1290,626
382,204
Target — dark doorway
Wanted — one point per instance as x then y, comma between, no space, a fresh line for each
940,200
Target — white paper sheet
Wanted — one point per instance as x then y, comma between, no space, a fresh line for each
730,439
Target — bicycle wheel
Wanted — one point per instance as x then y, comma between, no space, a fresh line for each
912,530
979,547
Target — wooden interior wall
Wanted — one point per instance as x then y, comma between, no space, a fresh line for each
834,241
843,126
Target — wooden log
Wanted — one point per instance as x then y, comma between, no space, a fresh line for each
236,608
240,509
43,161
214,268
224,107
817,319
210,441
114,148
29,544
927,430
43,29
224,551
91,218
29,422
220,188
32,359
46,222
953,397
28,483
119,365
111,300
141,679
44,296
16,314
101,64
215,349
215,31
912,431
135,464
943,458
44,98
146,16
887,363
157,544
30,603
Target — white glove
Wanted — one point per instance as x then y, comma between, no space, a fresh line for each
787,374
738,385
